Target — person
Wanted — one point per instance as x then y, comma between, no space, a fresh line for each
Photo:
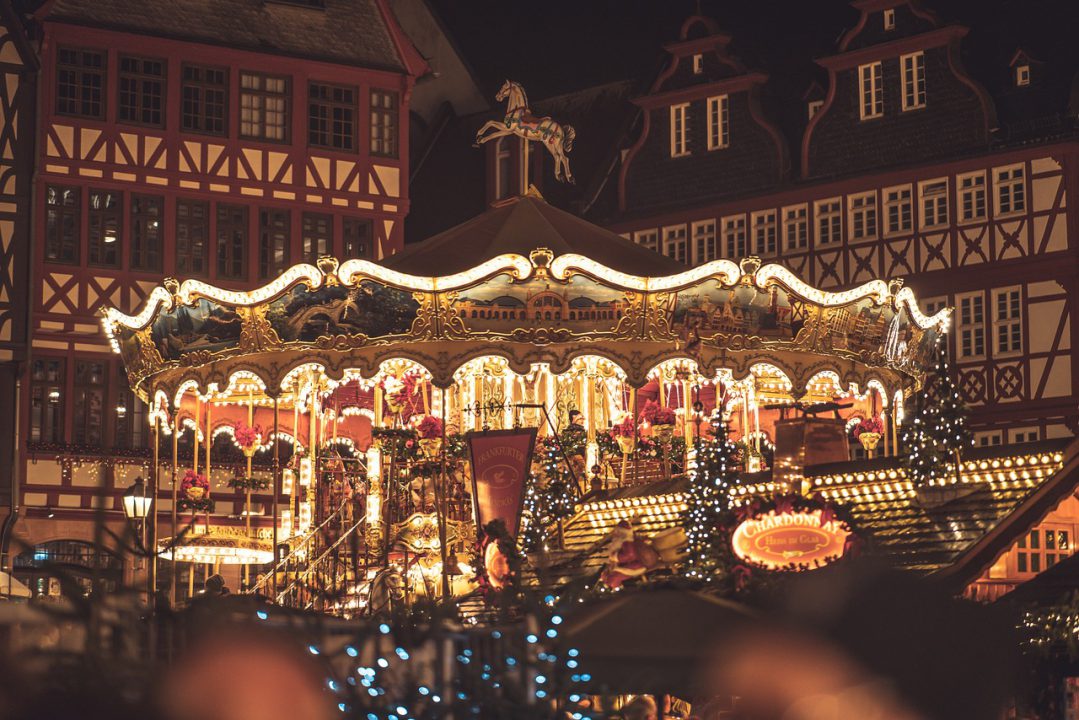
642,707
576,421
214,586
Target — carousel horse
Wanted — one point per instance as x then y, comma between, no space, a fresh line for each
519,120
387,591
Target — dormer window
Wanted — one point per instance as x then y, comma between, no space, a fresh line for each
889,19
698,64
1022,75
814,107
679,146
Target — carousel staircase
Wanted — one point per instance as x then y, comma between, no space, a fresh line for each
322,568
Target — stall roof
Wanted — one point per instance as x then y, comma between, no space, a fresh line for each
521,225
954,532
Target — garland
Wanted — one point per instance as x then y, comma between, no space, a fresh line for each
249,483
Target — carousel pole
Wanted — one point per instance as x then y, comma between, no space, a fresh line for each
175,499
249,456
209,444
440,499
276,472
151,583
175,469
636,452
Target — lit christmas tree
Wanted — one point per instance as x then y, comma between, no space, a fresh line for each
549,498
936,436
710,481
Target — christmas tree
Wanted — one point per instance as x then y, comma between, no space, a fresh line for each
937,434
549,497
710,482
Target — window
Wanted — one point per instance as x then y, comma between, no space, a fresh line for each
932,306
734,237
863,216
331,116
1042,548
47,381
971,326
889,19
358,234
796,227
1022,75
1007,321
503,168
829,221
934,202
972,196
814,107
142,91
898,210
89,416
1011,192
192,234
147,212
62,221
317,236
203,94
131,427
871,90
647,238
674,243
913,81
764,233
105,218
273,242
704,241
698,64
679,146
231,241
264,107
988,438
80,82
1024,436
383,123
719,129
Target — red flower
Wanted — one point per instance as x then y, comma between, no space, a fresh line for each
653,414
429,427
246,435
872,424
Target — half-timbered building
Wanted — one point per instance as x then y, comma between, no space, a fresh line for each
225,141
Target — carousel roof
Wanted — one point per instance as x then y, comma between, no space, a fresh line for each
520,225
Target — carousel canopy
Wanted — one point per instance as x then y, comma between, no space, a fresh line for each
538,288
519,226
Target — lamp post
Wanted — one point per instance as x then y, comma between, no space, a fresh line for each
137,505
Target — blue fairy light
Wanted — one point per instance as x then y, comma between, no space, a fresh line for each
261,614
384,629
351,651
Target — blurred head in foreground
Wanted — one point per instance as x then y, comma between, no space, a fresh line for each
240,674
855,641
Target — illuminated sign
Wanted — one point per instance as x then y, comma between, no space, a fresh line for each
790,540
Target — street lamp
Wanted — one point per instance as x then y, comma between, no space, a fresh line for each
137,502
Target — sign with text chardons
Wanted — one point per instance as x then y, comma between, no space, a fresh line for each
791,540
501,460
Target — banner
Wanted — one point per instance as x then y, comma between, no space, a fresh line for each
501,461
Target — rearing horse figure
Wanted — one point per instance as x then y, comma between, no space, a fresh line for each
519,120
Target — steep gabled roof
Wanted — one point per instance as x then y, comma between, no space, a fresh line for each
520,226
349,32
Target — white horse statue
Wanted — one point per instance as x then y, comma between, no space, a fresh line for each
519,120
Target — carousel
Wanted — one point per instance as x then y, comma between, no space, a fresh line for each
348,393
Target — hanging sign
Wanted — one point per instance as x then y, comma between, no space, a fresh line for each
790,540
501,460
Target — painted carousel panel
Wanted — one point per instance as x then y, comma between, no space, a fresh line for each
370,309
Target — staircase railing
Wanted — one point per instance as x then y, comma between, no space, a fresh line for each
304,548
324,581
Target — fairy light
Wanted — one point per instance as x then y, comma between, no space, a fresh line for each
712,475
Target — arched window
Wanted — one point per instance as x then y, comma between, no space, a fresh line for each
42,567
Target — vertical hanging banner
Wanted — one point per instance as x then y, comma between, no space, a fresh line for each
501,460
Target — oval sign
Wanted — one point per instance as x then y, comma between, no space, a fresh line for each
793,540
